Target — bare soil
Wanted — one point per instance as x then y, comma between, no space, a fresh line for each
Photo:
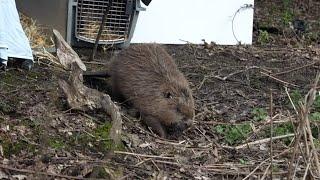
42,138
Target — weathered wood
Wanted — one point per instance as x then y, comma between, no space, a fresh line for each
79,96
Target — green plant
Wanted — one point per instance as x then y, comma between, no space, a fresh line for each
281,129
275,168
14,148
317,143
56,143
315,130
234,134
259,114
286,3
315,116
242,161
263,37
287,15
316,103
296,97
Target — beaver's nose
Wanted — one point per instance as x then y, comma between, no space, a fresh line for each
184,124
189,122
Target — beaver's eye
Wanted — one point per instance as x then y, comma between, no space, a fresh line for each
168,95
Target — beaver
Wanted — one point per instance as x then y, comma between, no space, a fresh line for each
147,76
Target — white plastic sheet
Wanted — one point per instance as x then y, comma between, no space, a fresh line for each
181,21
13,41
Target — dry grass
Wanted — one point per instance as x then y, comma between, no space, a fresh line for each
91,29
35,34
39,41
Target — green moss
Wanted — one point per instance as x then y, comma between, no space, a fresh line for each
56,143
103,139
34,74
99,172
36,125
14,148
6,108
102,131
8,78
100,141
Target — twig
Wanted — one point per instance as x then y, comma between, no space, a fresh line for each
279,80
263,141
298,134
235,73
259,165
167,162
307,168
202,82
143,161
295,149
293,105
295,69
305,130
95,63
266,172
242,123
2,166
271,133
306,172
203,134
223,166
103,21
314,150
171,143
143,155
308,102
237,173
296,169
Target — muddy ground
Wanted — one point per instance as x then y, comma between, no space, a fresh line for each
42,138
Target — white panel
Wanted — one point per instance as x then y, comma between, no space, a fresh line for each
178,21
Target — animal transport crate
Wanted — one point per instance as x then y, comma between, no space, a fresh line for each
79,20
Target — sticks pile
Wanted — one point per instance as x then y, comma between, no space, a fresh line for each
304,142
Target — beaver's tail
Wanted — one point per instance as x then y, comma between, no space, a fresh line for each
102,73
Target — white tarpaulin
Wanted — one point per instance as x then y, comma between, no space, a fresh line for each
181,21
13,41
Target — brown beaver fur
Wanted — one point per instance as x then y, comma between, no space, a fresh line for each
148,77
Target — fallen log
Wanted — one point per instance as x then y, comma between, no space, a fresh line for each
80,97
